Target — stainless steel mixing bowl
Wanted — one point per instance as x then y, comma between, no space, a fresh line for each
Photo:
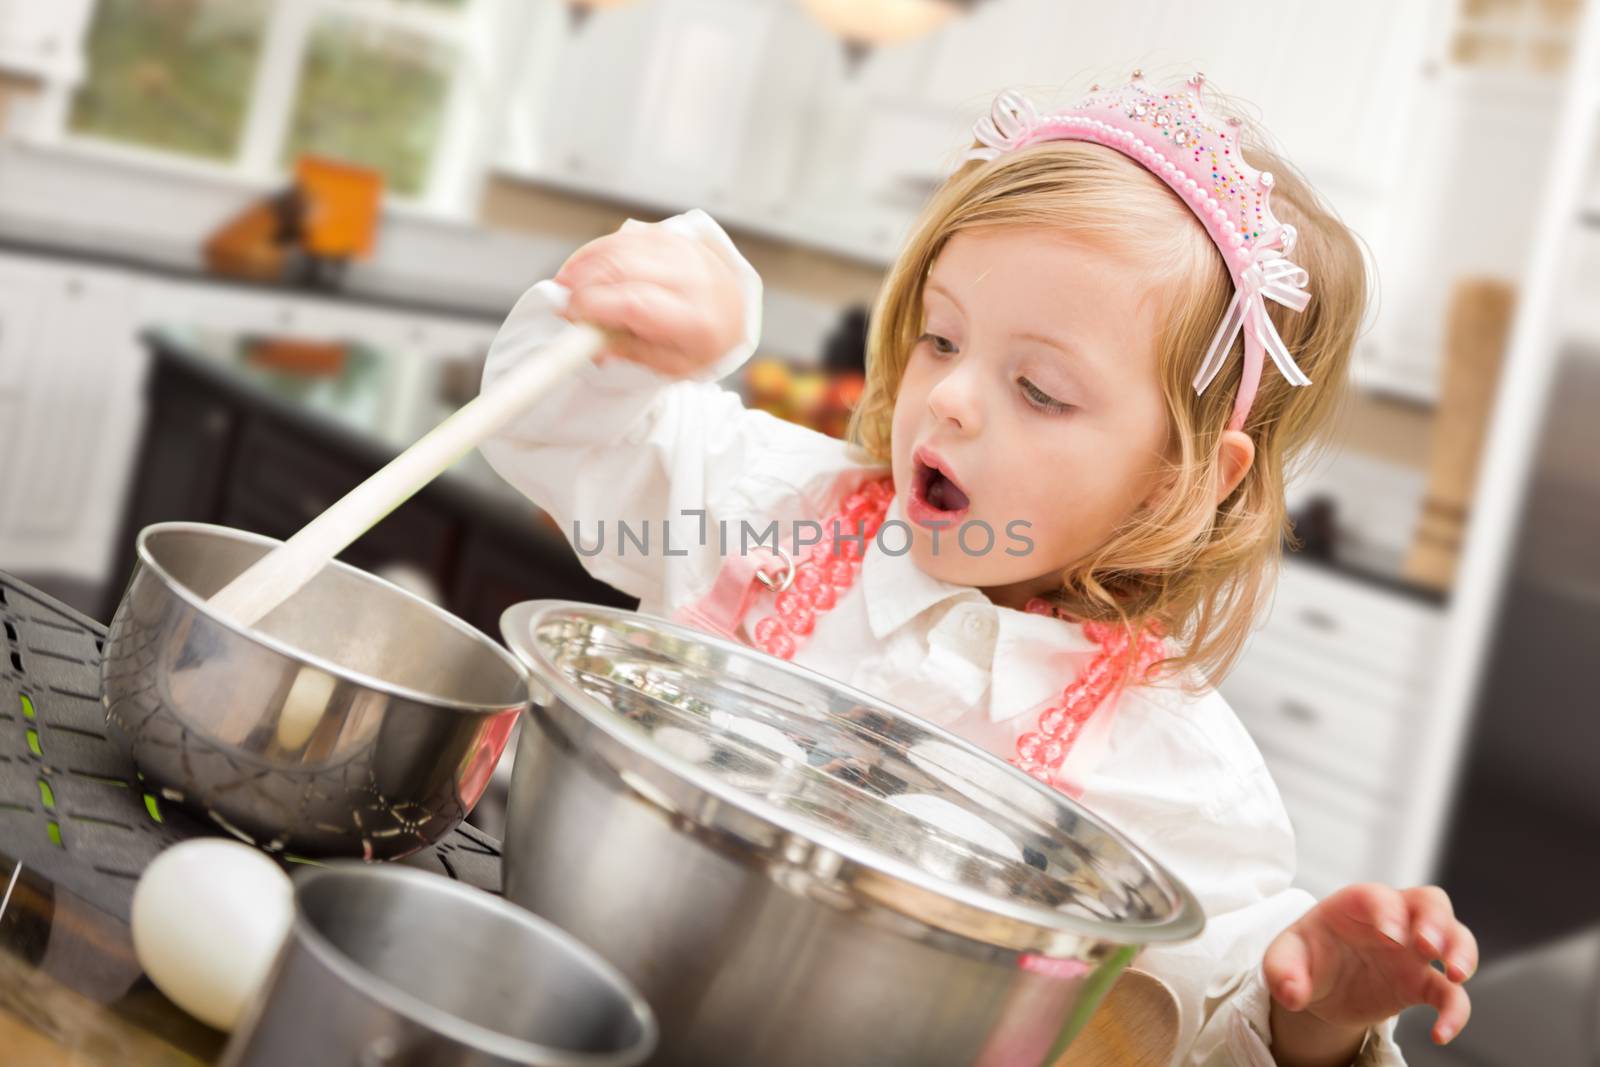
794,873
355,720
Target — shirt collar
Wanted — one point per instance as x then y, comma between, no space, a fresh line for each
897,590
1033,656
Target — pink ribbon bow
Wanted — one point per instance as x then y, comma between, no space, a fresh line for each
1269,276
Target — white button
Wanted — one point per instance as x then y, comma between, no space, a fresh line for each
978,625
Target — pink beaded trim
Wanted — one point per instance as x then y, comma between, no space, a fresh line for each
832,567
1042,752
824,575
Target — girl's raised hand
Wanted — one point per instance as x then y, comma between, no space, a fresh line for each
669,302
1361,956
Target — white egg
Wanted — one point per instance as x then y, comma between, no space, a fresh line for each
209,916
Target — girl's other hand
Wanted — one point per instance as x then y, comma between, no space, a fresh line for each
1357,958
669,302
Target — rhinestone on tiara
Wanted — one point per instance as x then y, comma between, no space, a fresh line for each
1170,133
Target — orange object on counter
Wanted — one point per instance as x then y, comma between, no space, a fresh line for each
251,244
293,355
342,204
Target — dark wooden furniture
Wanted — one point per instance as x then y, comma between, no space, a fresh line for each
218,449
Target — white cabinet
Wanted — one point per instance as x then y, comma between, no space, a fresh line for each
1450,228
41,37
650,103
648,97
75,366
692,118
583,113
1335,690
22,295
1335,84
748,108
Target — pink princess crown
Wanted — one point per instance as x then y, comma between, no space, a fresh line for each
1171,135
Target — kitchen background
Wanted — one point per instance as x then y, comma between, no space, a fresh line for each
209,311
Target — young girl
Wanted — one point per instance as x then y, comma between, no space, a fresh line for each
1070,444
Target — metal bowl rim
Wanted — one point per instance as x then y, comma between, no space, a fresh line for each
289,651
1186,919
474,1035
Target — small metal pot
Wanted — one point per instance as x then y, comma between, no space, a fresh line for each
388,966
355,720
795,873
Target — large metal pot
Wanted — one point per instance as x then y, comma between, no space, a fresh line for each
355,720
794,873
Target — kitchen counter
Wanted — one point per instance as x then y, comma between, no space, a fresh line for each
71,988
17,237
379,404
72,992
97,203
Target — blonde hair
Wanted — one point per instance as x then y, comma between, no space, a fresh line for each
1199,570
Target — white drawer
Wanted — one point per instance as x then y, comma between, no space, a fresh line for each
22,326
1339,830
1352,730
1342,620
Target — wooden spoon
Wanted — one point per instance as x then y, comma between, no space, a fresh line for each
281,573
1137,1026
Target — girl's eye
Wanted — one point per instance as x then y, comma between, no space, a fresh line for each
942,346
1041,399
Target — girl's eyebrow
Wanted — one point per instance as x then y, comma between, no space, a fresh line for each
1077,363
1065,348
1051,342
935,287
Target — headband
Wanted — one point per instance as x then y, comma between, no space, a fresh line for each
1169,133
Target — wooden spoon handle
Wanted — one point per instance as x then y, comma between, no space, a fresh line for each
281,573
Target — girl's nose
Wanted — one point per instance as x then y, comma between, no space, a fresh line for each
954,398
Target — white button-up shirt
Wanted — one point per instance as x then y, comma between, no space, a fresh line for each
1176,772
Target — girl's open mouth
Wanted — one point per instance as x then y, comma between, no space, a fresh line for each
936,497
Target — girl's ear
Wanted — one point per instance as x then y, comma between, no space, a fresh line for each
1235,454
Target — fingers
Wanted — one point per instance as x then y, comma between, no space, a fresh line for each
644,255
667,301
1451,1002
1378,912
646,324
1287,969
1437,935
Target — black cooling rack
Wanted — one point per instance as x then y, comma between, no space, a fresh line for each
72,807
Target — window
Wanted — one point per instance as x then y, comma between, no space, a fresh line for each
171,74
254,83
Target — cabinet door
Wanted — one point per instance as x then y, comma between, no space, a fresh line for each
499,569
649,101
42,38
584,116
22,297
693,110
863,142
182,464
280,481
82,359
